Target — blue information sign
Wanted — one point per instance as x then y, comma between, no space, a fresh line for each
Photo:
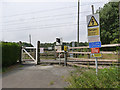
94,44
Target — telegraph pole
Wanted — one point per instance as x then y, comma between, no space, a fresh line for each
78,23
119,33
119,21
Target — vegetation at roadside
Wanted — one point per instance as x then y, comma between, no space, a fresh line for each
11,53
87,78
109,23
5,69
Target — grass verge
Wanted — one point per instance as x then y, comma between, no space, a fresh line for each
87,78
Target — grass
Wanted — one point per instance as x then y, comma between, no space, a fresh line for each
5,69
87,78
62,77
51,83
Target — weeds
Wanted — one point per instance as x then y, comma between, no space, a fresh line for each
51,83
106,78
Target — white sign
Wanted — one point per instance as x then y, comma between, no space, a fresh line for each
93,28
41,50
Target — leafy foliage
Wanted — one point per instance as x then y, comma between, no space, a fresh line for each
109,23
26,44
10,53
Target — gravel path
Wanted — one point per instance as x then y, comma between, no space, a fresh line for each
31,76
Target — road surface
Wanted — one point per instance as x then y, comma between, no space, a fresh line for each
31,76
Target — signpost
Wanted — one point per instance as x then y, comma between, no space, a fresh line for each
94,36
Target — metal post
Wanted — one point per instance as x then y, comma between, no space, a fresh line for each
92,9
65,62
96,57
96,65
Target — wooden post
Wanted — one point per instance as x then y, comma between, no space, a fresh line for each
88,50
34,53
38,53
65,62
82,51
119,35
20,58
54,53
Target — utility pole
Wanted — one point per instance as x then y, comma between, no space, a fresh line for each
119,22
119,33
30,38
78,23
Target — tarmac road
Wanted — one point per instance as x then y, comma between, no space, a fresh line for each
31,76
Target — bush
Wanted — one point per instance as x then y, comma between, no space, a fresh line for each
10,53
106,78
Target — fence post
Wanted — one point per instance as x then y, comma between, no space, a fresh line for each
88,50
20,58
55,53
65,54
65,62
38,53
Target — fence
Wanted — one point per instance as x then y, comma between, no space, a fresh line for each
81,61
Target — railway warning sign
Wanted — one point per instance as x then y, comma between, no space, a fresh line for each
92,22
93,31
93,28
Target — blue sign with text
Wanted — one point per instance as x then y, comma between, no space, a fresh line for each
94,44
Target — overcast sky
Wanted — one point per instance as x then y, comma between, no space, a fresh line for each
45,20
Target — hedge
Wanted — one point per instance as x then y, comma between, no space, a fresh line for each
10,53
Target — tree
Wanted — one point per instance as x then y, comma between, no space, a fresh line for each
109,23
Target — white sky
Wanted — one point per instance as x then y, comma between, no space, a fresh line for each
45,20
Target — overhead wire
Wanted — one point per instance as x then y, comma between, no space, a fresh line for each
36,28
49,10
17,23
48,26
44,17
40,17
47,16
